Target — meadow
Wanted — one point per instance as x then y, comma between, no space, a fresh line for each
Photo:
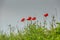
34,31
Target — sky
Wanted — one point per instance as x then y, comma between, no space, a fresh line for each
13,10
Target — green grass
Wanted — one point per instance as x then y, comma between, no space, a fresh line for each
34,32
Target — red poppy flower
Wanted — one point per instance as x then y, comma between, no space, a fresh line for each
23,19
34,18
46,14
29,18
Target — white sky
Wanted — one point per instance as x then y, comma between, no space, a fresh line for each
12,10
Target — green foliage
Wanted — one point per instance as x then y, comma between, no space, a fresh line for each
34,32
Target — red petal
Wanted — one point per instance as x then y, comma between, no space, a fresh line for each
34,18
29,18
46,14
23,19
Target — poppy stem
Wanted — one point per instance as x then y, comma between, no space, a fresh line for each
44,21
37,22
10,28
31,21
53,21
27,23
40,24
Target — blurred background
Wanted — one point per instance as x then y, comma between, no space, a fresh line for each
12,11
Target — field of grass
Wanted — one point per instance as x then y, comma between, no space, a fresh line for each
34,31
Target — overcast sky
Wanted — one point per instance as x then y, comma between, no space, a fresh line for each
12,10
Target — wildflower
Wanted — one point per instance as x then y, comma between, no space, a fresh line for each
46,14
23,19
29,18
34,18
